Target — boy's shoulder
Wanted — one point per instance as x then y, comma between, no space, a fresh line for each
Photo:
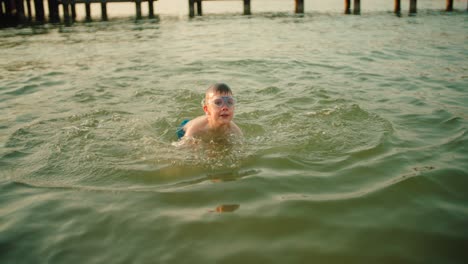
196,126
198,122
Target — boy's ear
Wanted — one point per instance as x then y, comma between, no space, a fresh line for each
205,108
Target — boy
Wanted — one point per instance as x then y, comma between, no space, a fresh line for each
216,124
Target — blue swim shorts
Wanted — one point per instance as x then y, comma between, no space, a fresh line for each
180,129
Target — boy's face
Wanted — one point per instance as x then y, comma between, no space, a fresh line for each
219,108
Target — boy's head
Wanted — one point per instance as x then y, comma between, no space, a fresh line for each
219,104
217,89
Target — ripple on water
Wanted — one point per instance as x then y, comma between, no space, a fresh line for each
102,147
324,134
71,145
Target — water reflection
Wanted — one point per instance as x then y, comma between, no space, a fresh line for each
226,208
226,176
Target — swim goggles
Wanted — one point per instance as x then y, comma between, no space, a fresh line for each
219,101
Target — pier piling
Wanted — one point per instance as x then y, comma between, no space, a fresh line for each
73,10
20,15
299,6
88,11
195,6
138,8
357,7
5,14
449,5
104,10
39,10
199,7
150,8
53,11
347,7
191,5
29,8
247,7
413,8
66,12
397,8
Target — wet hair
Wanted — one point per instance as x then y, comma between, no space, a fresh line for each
221,88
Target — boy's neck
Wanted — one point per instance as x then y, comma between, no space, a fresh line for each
218,128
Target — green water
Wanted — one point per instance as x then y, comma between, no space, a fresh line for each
355,145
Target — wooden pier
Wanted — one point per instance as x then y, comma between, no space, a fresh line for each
69,12
20,12
17,12
195,6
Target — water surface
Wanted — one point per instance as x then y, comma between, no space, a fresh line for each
355,140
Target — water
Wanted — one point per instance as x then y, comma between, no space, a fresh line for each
355,140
